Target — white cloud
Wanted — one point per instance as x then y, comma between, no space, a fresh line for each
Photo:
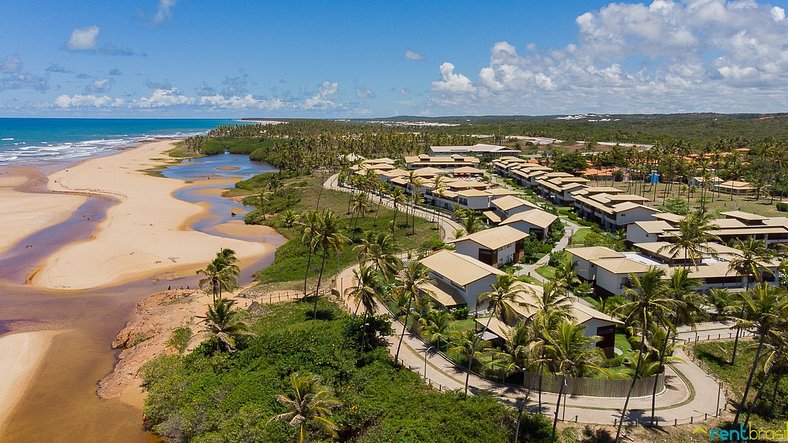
84,39
365,93
666,56
11,64
81,101
235,102
323,98
413,55
165,10
164,97
451,82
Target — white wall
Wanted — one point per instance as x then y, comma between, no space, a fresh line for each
609,281
636,234
593,324
506,254
583,268
467,247
633,215
477,202
472,290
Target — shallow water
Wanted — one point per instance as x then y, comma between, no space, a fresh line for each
61,403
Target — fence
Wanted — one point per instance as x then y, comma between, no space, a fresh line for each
718,336
596,387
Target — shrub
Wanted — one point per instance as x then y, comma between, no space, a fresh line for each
676,205
460,313
782,206
180,338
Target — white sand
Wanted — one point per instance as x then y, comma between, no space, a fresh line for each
143,235
22,214
20,355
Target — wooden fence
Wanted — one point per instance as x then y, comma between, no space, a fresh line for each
595,387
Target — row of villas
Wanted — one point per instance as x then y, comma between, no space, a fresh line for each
609,271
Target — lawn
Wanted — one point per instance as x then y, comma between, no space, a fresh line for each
546,271
208,395
715,357
579,237
291,258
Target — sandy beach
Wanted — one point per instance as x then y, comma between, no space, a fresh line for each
143,235
20,354
22,213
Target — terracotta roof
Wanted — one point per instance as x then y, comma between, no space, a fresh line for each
536,217
459,268
510,202
591,253
494,238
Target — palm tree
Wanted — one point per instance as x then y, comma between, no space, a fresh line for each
411,278
289,218
224,323
310,222
470,220
570,354
378,249
765,309
414,181
360,206
693,237
397,198
753,260
565,274
470,345
364,293
328,239
648,306
436,324
309,404
221,274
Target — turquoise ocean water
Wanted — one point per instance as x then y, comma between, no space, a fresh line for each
25,140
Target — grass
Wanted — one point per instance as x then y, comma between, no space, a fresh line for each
715,357
622,342
579,237
291,258
546,271
180,151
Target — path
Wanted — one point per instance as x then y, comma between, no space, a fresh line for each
690,396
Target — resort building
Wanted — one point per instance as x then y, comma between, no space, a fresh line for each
535,222
458,279
559,190
735,187
479,149
442,162
495,246
509,205
613,211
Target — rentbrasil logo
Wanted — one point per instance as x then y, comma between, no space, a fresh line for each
742,434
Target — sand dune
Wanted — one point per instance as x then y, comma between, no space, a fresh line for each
20,355
22,214
142,235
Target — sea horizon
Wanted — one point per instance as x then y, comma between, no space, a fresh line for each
35,140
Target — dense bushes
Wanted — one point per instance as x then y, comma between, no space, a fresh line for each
206,396
247,146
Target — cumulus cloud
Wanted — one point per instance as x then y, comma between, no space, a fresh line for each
100,85
323,98
83,101
666,56
365,93
413,55
164,97
164,11
84,39
247,101
13,75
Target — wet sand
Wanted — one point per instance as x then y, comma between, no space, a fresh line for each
59,402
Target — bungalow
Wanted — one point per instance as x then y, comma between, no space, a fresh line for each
509,205
612,274
559,190
443,162
495,246
457,277
648,231
583,259
735,187
614,211
479,149
535,222
473,199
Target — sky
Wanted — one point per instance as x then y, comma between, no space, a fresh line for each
201,58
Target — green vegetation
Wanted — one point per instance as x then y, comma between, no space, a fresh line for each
214,396
773,407
676,205
180,338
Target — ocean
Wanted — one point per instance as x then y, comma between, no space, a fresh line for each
25,140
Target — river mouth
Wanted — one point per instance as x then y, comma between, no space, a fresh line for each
61,403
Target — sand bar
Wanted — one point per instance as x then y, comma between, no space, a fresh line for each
20,355
23,213
141,236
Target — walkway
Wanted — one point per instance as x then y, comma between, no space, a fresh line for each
690,396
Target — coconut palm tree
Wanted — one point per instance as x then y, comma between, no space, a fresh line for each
469,345
570,354
409,283
414,181
765,309
289,218
309,405
364,293
720,299
378,249
565,275
310,221
221,274
648,306
435,325
693,238
224,323
470,220
328,239
398,199
360,207
753,260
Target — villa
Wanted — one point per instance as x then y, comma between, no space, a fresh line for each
458,279
480,149
535,222
495,246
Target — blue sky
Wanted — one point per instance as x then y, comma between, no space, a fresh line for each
190,58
